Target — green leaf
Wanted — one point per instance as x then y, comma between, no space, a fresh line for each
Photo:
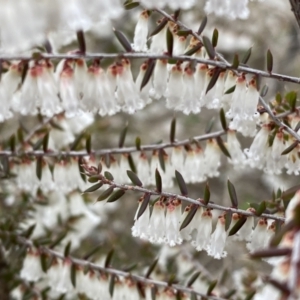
58,240
88,144
81,41
211,287
269,61
246,56
160,27
291,98
236,62
108,176
230,90
228,219
213,79
193,50
148,73
93,179
105,194
193,279
138,143
93,188
250,295
161,159
67,249
173,130
261,208
134,178
222,146
123,136
73,275
290,148
223,119
131,5
189,217
39,167
93,251
202,25
131,163
209,47
170,42
238,225
12,143
151,268
144,205
181,183
215,37
24,70
44,262
111,286
108,259
123,40
158,181
184,32
264,91
77,141
80,169
116,196
206,194
27,234
232,194
45,142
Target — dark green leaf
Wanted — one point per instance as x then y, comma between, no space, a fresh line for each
93,251
222,146
269,61
184,32
108,176
223,119
206,194
290,148
237,226
44,262
20,135
189,216
193,50
123,40
73,275
131,5
213,79
181,183
261,208
88,144
148,73
215,37
158,181
144,205
111,285
161,26
106,194
67,249
134,178
230,90
45,142
250,295
232,194
209,47
108,259
151,268
228,218
176,14
93,188
193,279
291,98
81,41
246,56
297,127
173,130
93,179
27,234
277,237
12,143
77,141
131,163
39,167
161,159
24,70
211,287
123,136
81,170
138,143
202,25
236,62
58,240
264,91
116,195
170,41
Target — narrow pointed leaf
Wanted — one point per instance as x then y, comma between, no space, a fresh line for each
39,164
92,252
184,32
189,217
222,146
45,142
134,179
67,249
193,50
223,119
148,73
88,144
27,234
213,80
246,56
228,218
158,181
123,40
12,143
44,262
170,41
290,148
230,90
202,25
116,195
123,136
206,194
93,188
93,179
106,194
215,37
261,208
111,286
131,5
144,205
108,176
161,159
209,47
138,143
173,130
264,91
108,259
297,127
232,194
211,287
24,71
77,141
238,225
131,163
176,14
193,279
236,62
160,27
81,41
58,240
80,169
269,61
291,98
181,183
73,275
151,268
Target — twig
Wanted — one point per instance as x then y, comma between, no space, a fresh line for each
295,4
295,265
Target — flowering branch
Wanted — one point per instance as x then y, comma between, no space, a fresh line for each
112,271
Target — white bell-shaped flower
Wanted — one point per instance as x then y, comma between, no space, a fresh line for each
141,32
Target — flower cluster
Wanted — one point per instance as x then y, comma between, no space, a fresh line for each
161,223
49,16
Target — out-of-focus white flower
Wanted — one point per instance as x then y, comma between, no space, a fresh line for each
258,240
238,158
160,78
141,32
141,225
230,82
175,88
212,154
189,171
294,202
26,179
200,81
179,44
145,91
158,42
32,270
177,159
157,224
46,183
143,169
200,164
293,161
245,233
